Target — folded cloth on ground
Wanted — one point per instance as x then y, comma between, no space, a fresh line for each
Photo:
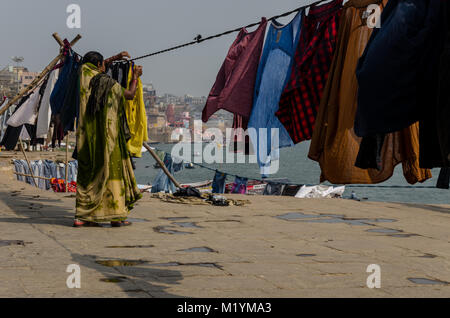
204,200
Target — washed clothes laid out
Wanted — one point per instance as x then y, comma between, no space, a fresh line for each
273,72
162,183
47,169
301,96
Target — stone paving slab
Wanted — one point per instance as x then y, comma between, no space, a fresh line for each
244,251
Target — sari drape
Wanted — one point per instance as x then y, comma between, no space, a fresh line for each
106,185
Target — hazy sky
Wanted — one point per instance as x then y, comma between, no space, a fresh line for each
140,27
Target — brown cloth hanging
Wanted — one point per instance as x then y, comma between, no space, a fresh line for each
334,143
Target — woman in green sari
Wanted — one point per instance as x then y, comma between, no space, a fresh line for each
106,186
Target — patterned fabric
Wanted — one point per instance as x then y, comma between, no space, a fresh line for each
107,188
301,97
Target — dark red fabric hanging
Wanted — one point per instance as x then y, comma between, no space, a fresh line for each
235,83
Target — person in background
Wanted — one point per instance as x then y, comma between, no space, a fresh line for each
106,185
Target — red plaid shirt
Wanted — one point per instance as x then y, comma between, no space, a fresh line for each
301,97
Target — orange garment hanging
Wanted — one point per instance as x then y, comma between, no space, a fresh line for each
334,144
137,118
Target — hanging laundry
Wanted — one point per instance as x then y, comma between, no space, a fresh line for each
119,71
219,180
61,86
239,185
71,105
443,181
27,113
394,71
273,72
334,144
301,97
12,134
45,168
235,83
162,183
136,118
274,189
443,108
58,95
4,118
45,112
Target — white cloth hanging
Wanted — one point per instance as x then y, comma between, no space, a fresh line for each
24,134
45,111
27,113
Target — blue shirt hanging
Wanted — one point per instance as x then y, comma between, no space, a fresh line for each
273,72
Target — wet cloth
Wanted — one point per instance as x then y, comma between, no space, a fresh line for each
219,180
235,83
45,168
393,73
27,112
443,179
301,96
106,186
136,118
61,86
119,72
334,144
71,105
4,117
162,183
45,112
274,189
239,185
443,107
12,134
273,72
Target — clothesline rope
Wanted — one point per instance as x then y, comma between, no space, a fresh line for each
200,39
295,184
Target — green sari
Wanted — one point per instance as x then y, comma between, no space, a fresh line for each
106,186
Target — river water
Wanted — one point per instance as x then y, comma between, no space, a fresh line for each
295,166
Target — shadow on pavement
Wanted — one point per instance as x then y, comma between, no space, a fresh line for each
36,209
138,280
